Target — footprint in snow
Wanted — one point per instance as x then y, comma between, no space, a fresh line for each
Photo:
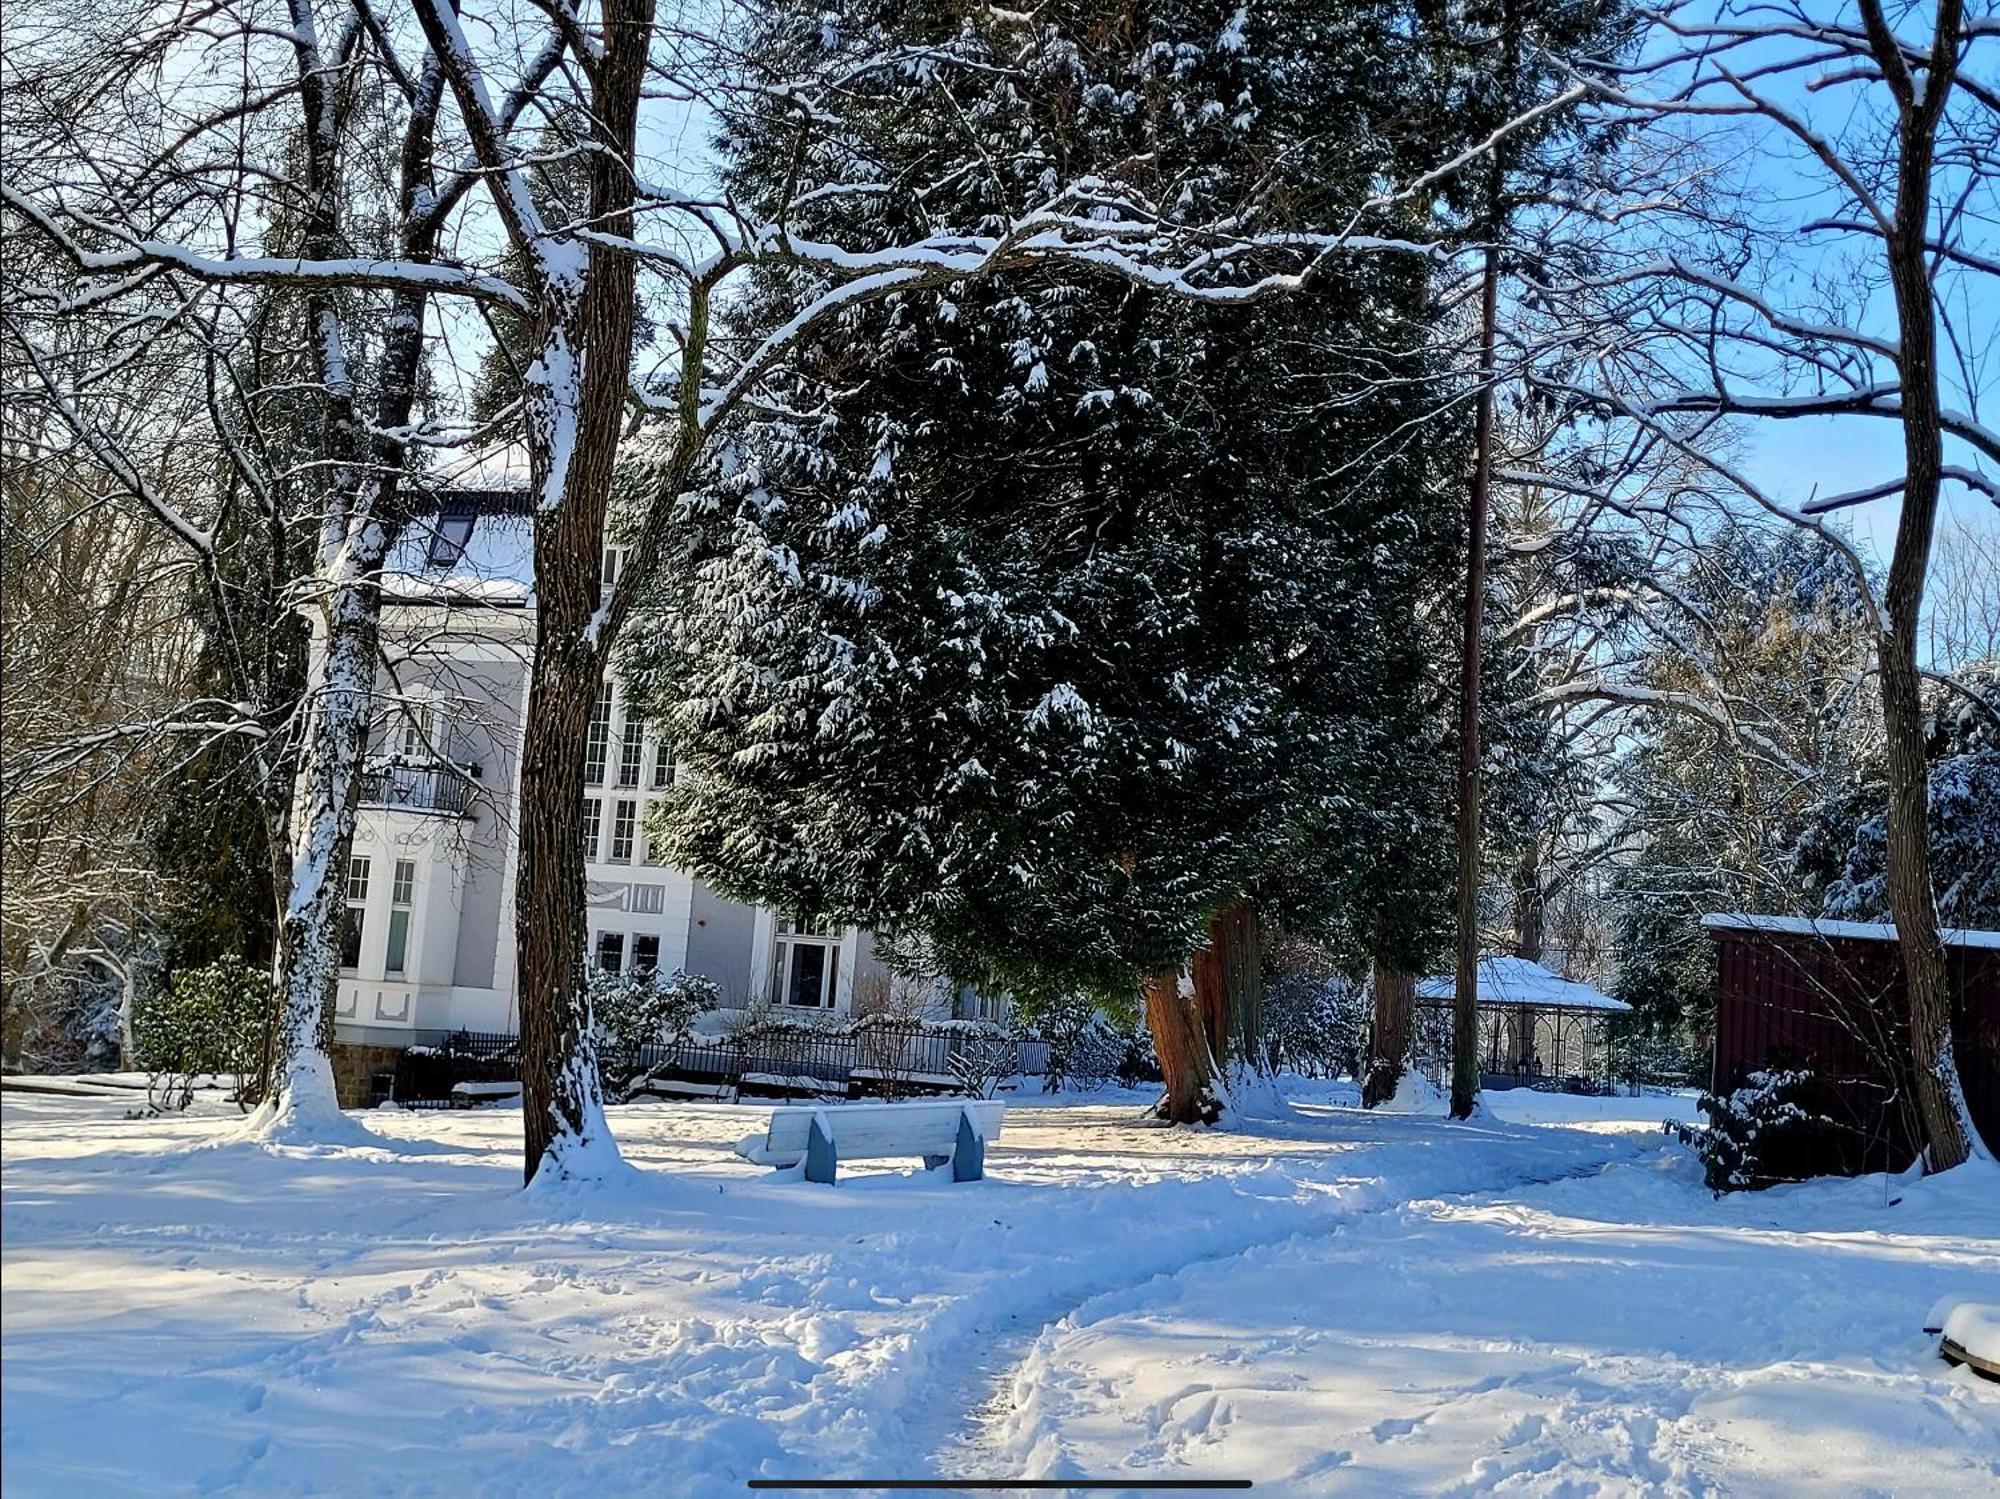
1396,1427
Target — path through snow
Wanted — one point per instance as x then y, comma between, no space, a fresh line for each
1616,1334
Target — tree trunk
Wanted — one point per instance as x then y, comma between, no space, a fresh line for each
1530,923
309,938
562,1100
1940,1101
1395,1004
574,430
1530,904
1181,1042
1465,992
1229,985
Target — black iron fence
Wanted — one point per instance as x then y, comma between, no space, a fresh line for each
883,1061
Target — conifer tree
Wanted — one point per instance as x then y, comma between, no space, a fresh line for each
1062,622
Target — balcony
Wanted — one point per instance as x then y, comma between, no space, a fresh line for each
439,787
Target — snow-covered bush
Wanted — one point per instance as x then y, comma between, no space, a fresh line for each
1084,1047
209,1019
1760,1133
642,1009
1315,1022
982,1053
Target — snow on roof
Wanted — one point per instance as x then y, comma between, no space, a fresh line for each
473,543
1857,931
502,467
463,554
1517,981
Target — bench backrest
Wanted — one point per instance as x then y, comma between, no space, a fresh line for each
863,1130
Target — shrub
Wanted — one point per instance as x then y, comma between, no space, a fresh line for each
209,1019
1316,1020
642,1009
1762,1132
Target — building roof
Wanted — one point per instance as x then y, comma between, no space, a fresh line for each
1518,981
471,542
1852,931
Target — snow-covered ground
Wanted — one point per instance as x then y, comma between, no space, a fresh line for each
1331,1302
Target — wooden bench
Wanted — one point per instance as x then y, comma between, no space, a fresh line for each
671,1087
471,1095
954,1130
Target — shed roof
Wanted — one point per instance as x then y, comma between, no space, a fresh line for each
1518,981
1852,931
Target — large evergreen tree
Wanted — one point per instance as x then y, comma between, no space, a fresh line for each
1055,618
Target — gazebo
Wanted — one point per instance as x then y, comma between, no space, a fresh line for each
1534,1025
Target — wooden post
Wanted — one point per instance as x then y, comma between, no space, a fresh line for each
1465,993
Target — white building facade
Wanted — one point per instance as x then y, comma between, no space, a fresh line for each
429,943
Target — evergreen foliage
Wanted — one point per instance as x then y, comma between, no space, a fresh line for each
211,1019
1762,1132
1054,613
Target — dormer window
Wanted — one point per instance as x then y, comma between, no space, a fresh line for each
448,541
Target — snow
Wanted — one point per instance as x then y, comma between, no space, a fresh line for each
1517,981
1326,1301
1859,931
496,567
1617,1333
1975,1327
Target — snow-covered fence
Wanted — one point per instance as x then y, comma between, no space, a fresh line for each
775,1059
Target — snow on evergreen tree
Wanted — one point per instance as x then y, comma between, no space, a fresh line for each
1963,746
1052,614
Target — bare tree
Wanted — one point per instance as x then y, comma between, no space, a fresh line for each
1903,134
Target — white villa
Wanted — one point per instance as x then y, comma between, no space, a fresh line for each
429,944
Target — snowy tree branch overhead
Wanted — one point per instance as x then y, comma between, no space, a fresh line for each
1095,222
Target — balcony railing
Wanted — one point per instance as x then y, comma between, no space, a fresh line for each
445,789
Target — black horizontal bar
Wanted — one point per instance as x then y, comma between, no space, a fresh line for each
1051,1485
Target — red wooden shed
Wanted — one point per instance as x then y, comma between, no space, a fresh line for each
1827,996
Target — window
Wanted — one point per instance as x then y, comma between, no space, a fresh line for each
624,817
663,767
402,890
599,744
593,820
808,961
357,901
649,900
448,541
614,563
420,732
654,854
611,952
631,753
645,953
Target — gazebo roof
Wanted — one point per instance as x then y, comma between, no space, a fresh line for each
1517,981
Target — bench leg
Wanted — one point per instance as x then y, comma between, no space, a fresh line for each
968,1159
932,1162
820,1157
